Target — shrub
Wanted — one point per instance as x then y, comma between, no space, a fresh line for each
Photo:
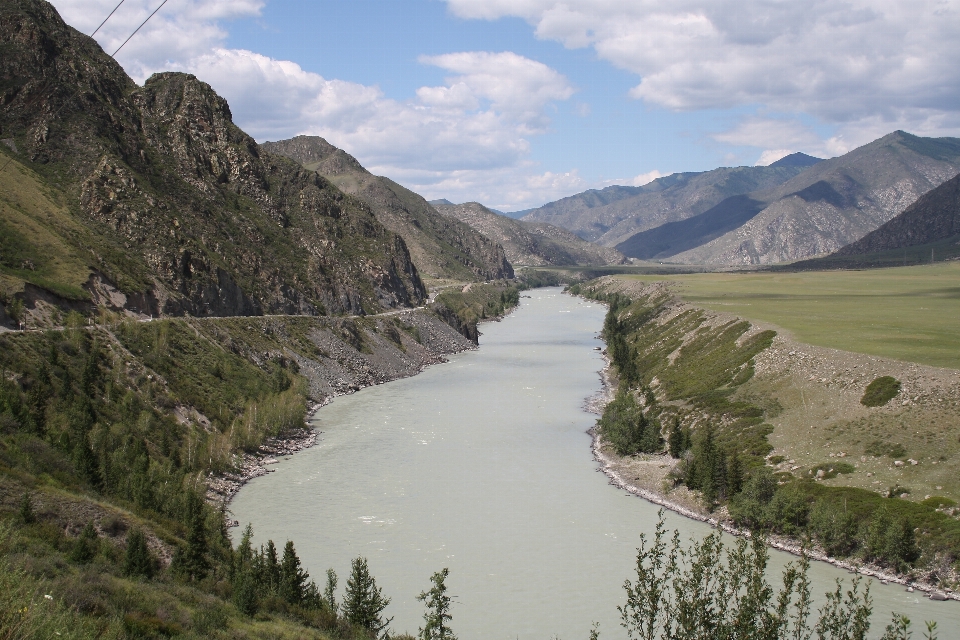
880,448
880,391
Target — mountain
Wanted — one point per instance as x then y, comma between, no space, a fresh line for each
829,205
531,243
439,246
612,215
151,199
440,201
935,216
796,160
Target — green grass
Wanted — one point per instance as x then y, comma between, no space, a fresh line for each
907,313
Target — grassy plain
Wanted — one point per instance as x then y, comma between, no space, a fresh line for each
905,313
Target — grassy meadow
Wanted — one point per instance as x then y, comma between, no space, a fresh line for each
904,313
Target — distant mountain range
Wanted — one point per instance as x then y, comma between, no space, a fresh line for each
611,216
796,208
530,243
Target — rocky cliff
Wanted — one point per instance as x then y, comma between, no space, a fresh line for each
441,247
162,202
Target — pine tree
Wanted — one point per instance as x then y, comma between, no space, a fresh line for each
138,561
293,579
676,439
438,604
330,591
271,568
363,602
25,513
194,563
86,545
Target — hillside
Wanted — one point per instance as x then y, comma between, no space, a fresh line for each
612,215
439,246
934,217
829,205
531,243
157,203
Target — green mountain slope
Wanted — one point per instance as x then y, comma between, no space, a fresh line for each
531,243
440,246
162,204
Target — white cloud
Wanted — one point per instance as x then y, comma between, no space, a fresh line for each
645,178
465,137
770,156
857,64
506,188
470,124
180,30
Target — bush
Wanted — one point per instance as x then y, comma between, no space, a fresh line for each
880,391
880,448
830,470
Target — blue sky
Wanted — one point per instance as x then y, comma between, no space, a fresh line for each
518,102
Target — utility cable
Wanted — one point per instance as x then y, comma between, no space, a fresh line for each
140,27
107,18
57,112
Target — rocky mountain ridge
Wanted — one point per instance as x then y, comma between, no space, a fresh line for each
441,247
832,203
612,215
531,243
154,193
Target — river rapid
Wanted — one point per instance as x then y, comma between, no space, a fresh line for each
484,465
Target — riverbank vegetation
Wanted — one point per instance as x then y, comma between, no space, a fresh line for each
109,434
682,369
708,590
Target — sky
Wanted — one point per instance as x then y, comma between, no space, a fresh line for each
515,103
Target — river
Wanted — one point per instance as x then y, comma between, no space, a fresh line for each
483,465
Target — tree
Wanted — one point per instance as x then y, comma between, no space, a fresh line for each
363,602
25,513
438,609
748,508
137,560
194,563
675,440
86,545
833,528
330,591
293,579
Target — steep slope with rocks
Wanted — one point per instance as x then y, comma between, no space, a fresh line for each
440,246
612,215
166,206
933,217
531,243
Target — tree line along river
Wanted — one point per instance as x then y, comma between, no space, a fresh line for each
483,465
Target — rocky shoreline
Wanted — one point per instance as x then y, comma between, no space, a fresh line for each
344,369
648,488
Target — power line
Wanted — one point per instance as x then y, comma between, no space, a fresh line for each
140,27
57,112
107,18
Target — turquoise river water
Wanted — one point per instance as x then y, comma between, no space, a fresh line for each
483,465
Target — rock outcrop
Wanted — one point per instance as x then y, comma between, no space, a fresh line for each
173,202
